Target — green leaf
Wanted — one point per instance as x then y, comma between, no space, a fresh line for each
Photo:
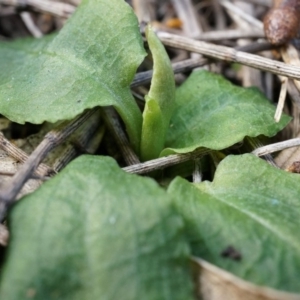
96,232
15,54
90,62
159,102
253,208
213,113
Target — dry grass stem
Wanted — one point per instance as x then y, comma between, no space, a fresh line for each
256,143
32,176
276,147
163,162
290,56
237,11
281,100
29,23
58,9
186,13
197,174
231,34
52,139
114,126
192,63
80,141
230,55
294,93
178,67
21,156
267,3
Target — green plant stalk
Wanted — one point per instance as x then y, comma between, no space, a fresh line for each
159,102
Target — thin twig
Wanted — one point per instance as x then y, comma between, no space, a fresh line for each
230,54
249,76
21,156
78,141
32,28
267,3
58,9
257,144
197,174
237,11
276,147
191,25
192,63
51,140
163,162
114,126
219,15
188,15
255,47
232,34
32,176
281,101
290,55
178,67
294,93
